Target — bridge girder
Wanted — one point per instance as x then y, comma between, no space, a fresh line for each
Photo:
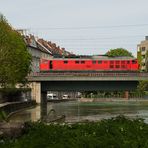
88,85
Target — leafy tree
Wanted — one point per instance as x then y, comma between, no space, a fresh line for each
146,64
142,86
139,57
15,59
118,52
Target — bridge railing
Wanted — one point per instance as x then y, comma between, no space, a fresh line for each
90,74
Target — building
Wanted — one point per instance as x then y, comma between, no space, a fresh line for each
142,54
37,51
41,49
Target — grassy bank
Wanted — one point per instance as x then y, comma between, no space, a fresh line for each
116,132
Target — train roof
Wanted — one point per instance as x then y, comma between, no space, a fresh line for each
102,57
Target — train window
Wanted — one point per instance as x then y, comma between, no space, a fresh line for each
99,62
111,62
117,66
128,62
117,62
65,62
82,62
105,62
94,62
111,66
134,62
122,66
122,62
77,62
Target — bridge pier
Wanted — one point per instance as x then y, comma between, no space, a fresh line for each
40,97
126,95
43,105
36,91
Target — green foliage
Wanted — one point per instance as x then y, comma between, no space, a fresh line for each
3,116
15,59
146,64
139,57
142,87
119,52
115,132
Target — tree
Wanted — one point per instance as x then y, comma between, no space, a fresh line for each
146,63
15,59
142,87
118,52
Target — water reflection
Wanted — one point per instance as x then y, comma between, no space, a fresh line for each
76,111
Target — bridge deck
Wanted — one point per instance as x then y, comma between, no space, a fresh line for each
87,76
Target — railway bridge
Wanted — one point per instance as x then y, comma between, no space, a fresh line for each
83,81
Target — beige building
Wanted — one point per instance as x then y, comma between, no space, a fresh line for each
142,54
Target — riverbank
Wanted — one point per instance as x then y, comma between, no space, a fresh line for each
9,108
112,100
60,100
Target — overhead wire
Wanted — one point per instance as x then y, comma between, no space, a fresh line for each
89,27
77,40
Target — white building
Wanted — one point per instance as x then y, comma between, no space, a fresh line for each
142,54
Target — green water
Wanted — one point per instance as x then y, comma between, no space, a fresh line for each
93,111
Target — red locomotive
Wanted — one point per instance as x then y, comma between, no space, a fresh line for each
98,63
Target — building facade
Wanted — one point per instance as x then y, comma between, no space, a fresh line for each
142,54
38,52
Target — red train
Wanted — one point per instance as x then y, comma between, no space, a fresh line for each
99,63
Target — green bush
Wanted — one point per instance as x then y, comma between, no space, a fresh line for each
3,116
118,132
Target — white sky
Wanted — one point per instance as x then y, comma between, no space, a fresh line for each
82,26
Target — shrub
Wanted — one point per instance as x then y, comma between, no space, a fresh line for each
115,132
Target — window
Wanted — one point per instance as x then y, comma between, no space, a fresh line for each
117,66
105,62
143,64
93,62
82,62
65,62
143,48
122,62
111,62
117,62
128,62
122,66
99,62
77,62
111,66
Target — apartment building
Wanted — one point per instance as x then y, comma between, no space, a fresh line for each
142,54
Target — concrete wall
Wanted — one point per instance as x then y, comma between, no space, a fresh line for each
17,95
36,91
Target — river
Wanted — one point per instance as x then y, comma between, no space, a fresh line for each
76,111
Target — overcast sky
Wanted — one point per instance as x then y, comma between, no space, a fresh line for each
82,26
